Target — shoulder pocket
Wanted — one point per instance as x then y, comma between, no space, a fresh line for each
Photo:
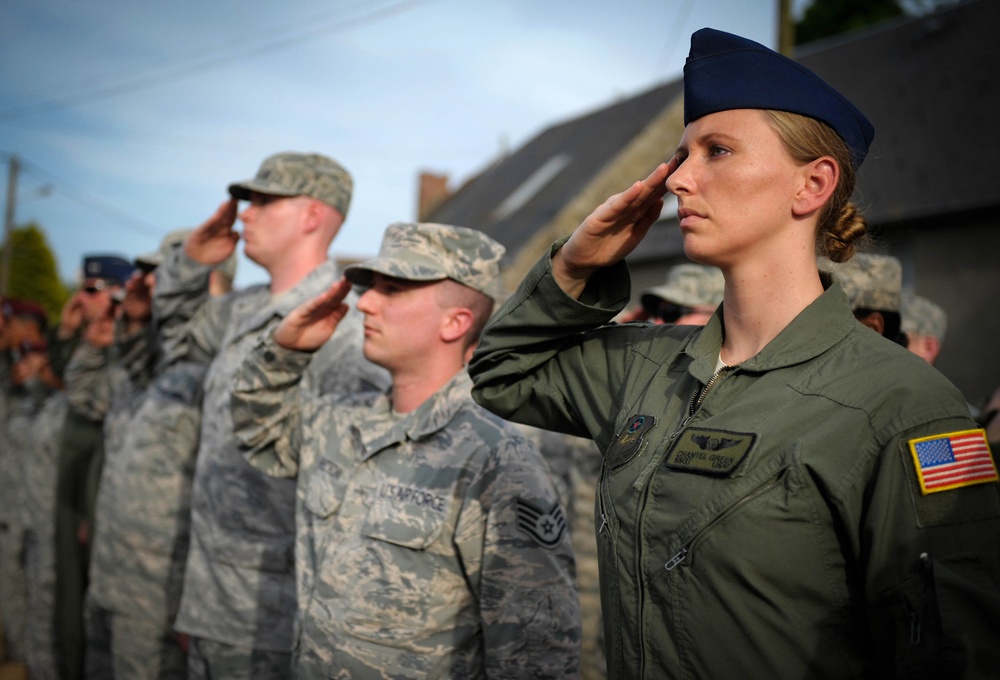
326,487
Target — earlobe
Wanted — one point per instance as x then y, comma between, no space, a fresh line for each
818,181
313,217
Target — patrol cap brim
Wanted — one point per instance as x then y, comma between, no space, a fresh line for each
241,191
363,274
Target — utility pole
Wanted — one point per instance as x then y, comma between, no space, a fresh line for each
8,224
786,28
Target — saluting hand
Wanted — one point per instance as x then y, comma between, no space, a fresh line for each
74,313
214,240
612,231
312,323
137,306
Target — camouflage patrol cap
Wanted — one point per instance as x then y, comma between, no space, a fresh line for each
300,174
432,252
872,282
175,238
691,285
923,317
155,258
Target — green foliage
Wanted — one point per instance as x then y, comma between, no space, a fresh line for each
824,18
33,273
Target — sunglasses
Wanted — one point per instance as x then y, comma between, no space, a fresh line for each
668,312
95,287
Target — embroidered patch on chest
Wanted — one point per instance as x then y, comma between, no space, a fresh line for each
953,460
710,452
544,528
628,442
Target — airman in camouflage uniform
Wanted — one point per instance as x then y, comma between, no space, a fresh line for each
81,450
873,285
141,535
690,295
24,330
925,324
238,599
431,539
38,505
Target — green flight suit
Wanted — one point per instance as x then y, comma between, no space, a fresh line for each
771,525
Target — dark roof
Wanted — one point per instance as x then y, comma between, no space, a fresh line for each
580,147
926,83
929,87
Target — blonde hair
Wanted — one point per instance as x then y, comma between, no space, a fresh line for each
841,227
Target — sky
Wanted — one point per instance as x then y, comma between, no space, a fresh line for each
129,118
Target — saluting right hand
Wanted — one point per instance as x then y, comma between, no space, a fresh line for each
214,240
612,231
312,323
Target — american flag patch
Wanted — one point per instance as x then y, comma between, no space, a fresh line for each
953,460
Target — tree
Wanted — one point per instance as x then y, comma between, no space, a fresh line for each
824,18
33,272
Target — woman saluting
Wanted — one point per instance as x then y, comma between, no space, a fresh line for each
785,494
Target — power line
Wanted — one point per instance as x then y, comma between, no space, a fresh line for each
206,63
94,203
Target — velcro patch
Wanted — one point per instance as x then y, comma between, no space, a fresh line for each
953,460
710,452
545,528
628,442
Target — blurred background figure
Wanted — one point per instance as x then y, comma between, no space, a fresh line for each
24,332
38,490
143,510
924,324
688,297
874,285
88,318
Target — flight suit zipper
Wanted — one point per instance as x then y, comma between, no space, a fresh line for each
696,400
682,555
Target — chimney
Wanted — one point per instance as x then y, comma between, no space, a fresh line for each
433,192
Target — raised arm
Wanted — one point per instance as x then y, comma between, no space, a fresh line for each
190,324
268,403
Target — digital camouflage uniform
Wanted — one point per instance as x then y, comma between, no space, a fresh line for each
430,545
39,508
81,456
141,534
433,543
769,520
23,404
239,584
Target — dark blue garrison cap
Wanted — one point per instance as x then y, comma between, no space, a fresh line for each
724,71
110,267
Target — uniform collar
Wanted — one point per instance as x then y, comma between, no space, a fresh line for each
820,326
382,429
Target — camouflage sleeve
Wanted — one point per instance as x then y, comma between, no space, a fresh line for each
189,323
88,381
524,567
61,350
136,352
267,403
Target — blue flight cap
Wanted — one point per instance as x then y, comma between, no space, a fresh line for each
724,71
108,267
